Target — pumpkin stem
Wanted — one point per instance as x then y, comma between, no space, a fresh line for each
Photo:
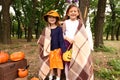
27,66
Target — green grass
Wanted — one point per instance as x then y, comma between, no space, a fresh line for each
111,72
106,49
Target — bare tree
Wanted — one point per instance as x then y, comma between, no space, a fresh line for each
6,21
99,23
84,7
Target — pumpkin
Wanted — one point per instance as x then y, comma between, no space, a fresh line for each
16,56
22,73
67,55
3,57
34,78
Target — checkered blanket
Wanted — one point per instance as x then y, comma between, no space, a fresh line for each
81,63
44,50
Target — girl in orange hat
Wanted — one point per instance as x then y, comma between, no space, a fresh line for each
52,46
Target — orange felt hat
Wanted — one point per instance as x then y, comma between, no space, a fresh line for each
51,13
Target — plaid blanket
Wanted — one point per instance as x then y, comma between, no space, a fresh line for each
81,63
44,50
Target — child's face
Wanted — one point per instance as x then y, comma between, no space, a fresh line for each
73,13
51,19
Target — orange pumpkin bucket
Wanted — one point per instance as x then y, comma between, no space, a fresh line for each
67,55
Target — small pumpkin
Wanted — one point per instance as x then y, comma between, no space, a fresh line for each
3,57
34,78
16,56
22,73
67,55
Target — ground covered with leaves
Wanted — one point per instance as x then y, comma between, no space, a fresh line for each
106,59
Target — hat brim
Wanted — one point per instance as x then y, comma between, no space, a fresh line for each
46,17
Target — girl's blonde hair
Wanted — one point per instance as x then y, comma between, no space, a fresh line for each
71,6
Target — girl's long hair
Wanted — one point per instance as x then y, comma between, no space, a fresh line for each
71,6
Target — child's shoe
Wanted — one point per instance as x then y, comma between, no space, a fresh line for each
50,77
57,78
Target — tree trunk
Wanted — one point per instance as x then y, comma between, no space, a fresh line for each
84,7
29,39
107,35
99,23
6,23
25,15
13,30
18,15
108,29
118,32
37,29
32,21
1,30
112,6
